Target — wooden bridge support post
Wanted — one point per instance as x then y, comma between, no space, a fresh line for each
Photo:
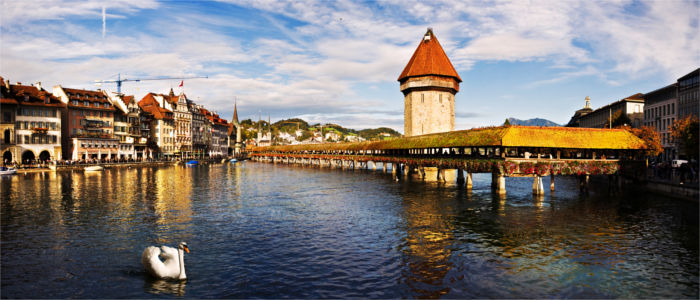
393,168
551,182
421,172
468,184
498,183
583,183
537,188
406,170
441,175
384,167
460,176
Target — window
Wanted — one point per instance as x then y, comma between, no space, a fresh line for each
26,139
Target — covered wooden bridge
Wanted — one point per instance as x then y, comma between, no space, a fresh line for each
503,151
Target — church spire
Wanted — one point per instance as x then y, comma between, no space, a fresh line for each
235,112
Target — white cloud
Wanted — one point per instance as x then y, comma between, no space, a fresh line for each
314,58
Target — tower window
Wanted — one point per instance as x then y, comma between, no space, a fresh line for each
422,98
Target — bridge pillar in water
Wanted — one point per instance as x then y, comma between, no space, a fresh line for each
498,183
537,188
460,176
441,175
468,183
393,168
583,183
421,172
406,170
551,182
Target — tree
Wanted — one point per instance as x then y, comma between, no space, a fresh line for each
619,119
685,132
305,135
651,138
507,122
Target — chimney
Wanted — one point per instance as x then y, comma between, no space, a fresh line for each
7,84
38,85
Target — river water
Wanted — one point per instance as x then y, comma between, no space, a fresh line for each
260,230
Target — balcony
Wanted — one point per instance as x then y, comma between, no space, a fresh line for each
39,130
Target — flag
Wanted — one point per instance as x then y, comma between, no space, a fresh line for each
181,83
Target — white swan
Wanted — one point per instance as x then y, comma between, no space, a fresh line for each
173,265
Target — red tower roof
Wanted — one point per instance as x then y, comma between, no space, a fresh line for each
429,59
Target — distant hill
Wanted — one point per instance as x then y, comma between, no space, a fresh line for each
533,122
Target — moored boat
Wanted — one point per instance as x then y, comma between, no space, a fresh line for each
233,160
94,168
192,163
7,171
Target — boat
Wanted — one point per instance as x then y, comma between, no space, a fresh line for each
233,160
192,163
7,171
94,168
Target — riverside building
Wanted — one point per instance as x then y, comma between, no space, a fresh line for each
31,124
660,111
88,124
161,125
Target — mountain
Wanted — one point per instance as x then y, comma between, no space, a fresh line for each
532,122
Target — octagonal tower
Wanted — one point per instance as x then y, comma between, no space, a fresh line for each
429,83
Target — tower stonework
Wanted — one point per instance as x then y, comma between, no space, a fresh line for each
429,83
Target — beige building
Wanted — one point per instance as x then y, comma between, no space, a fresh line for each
429,83
632,106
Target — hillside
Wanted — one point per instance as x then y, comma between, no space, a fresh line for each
298,130
533,122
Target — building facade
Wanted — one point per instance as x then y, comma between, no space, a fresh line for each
161,126
88,119
659,113
429,84
688,98
632,106
31,124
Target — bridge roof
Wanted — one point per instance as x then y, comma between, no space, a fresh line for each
509,136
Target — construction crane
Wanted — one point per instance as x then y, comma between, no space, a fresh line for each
119,80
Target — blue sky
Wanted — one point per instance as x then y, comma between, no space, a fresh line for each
338,61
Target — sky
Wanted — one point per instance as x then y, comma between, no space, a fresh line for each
338,61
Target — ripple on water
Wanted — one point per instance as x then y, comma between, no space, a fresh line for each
277,231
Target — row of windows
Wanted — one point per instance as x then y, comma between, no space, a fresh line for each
661,125
688,82
38,139
660,111
37,112
80,131
688,97
93,113
98,144
26,125
88,103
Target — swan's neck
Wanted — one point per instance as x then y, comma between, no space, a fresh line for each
181,262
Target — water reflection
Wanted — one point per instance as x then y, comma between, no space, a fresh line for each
270,231
169,287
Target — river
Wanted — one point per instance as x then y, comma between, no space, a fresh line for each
259,230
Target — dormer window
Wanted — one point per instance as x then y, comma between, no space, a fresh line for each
26,98
46,100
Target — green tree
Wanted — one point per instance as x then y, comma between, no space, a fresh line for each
507,122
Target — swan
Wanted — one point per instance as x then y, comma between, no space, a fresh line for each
173,265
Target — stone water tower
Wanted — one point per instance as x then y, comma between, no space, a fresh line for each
429,83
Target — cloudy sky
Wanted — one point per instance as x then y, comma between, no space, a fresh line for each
338,61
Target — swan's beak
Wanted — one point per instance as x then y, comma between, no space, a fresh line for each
186,249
